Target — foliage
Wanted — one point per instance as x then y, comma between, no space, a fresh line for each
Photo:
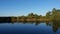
48,14
55,15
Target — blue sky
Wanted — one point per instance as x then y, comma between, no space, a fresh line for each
23,7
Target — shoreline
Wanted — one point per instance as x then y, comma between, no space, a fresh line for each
21,19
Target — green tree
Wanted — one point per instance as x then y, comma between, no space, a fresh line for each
30,14
48,14
55,15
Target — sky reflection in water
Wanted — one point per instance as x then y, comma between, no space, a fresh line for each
30,28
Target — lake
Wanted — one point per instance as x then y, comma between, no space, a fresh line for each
30,28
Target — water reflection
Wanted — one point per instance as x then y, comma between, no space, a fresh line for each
55,24
37,23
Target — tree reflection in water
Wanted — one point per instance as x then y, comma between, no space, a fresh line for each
55,24
37,23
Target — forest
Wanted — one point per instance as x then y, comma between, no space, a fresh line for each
53,15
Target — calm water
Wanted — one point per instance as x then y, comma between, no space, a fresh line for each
30,28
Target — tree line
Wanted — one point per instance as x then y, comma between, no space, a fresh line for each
53,15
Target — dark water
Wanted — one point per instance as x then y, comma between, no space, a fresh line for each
30,28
